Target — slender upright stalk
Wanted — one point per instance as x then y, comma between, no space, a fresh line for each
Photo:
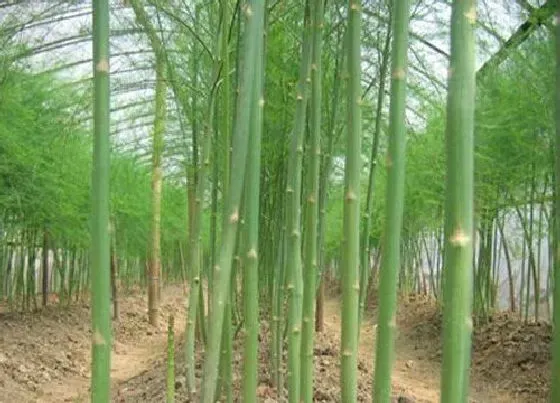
388,275
311,211
253,12
251,283
45,267
154,276
294,284
325,171
365,268
277,308
555,382
225,372
100,311
457,320
226,97
225,118
170,360
154,281
195,303
351,221
114,265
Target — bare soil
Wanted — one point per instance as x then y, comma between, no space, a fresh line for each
44,357
510,359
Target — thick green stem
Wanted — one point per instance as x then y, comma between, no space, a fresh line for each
388,275
100,245
457,319
251,277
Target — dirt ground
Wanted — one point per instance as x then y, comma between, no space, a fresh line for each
44,357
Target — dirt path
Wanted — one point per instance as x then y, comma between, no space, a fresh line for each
127,361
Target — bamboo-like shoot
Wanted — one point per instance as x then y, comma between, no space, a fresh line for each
555,381
100,246
311,211
351,221
457,320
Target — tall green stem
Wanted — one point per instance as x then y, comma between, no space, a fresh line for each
157,183
170,361
195,301
251,277
325,171
457,320
277,308
555,382
389,273
222,272
100,311
365,268
157,153
311,212
293,193
351,222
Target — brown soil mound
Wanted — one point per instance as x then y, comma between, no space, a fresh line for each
508,354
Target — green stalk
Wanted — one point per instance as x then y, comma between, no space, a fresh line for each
214,209
457,320
101,292
157,182
157,170
325,170
170,361
251,287
293,193
225,100
195,301
311,212
365,268
388,276
225,373
226,96
222,272
351,221
277,311
555,382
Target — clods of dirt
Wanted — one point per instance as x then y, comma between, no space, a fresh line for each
150,386
45,355
507,353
